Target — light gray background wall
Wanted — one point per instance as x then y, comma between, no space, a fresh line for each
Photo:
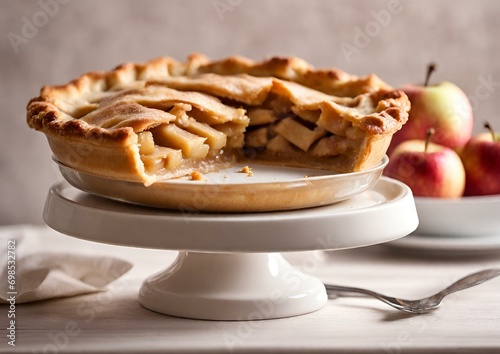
462,36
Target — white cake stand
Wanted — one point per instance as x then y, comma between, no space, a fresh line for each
228,267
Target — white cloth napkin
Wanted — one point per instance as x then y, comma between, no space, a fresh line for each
47,275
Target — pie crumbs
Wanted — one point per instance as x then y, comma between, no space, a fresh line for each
196,176
247,170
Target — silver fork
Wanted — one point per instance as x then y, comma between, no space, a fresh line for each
423,305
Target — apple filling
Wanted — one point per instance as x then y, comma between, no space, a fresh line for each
166,146
293,134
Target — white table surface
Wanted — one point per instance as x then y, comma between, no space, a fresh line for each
114,322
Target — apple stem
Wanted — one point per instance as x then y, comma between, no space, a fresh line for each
488,126
430,69
428,134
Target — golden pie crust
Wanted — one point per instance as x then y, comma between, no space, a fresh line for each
164,119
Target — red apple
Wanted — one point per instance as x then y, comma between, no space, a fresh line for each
429,169
443,107
481,159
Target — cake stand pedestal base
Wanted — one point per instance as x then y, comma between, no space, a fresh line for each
232,286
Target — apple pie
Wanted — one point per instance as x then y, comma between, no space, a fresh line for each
165,119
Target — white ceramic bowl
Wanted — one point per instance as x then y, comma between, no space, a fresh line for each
464,217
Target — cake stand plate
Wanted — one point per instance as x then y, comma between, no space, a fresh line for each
229,266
